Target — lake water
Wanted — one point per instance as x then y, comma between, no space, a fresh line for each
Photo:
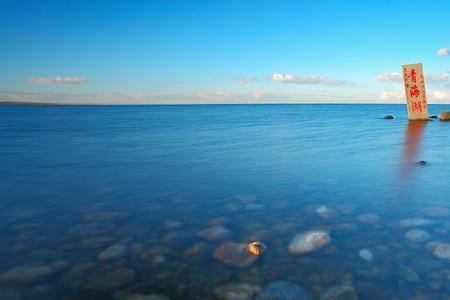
112,202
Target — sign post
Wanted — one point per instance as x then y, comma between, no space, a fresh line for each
415,92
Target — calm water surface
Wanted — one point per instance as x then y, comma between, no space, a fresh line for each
147,180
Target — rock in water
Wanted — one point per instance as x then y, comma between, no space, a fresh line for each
436,212
407,273
433,117
235,254
417,235
113,252
215,233
445,116
440,250
325,213
236,291
421,163
340,292
439,280
366,255
283,290
414,222
309,241
146,297
369,218
111,279
388,117
27,273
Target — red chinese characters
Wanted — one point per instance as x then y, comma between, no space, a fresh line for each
414,91
417,106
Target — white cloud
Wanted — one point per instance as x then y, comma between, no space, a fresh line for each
388,77
392,95
442,78
242,80
444,52
59,80
441,95
289,78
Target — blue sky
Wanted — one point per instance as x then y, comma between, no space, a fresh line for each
220,51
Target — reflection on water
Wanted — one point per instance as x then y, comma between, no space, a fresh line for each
127,202
410,161
413,141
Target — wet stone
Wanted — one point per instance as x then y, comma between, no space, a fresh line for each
26,273
439,280
172,225
325,213
236,291
445,116
146,297
220,221
369,218
436,212
215,233
235,255
417,235
309,241
407,273
113,252
96,242
414,222
366,255
340,292
82,268
110,279
439,250
283,290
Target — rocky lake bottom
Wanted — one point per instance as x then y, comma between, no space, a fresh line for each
162,203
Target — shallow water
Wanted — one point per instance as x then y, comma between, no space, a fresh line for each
147,179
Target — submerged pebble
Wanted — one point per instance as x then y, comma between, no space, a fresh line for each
407,273
325,213
438,249
340,292
236,291
366,255
111,279
235,254
436,212
113,252
26,273
283,290
369,218
309,241
146,297
417,235
215,233
414,222
439,280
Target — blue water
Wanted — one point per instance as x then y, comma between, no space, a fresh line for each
76,180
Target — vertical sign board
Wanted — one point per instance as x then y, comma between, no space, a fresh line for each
415,92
